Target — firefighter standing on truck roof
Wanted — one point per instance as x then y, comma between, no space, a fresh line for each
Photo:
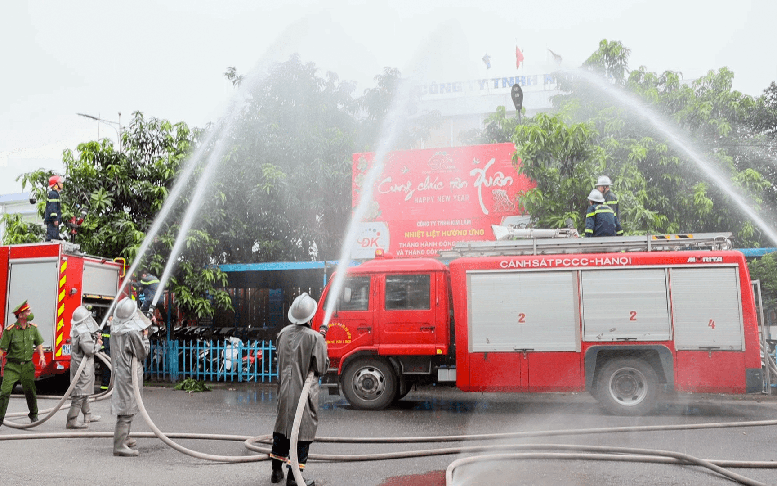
610,199
300,350
129,338
53,212
600,219
83,346
18,342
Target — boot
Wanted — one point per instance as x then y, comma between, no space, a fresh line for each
120,435
277,476
88,415
130,442
72,416
290,481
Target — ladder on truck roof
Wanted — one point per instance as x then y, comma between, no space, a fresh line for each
609,244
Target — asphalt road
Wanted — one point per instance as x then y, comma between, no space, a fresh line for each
249,410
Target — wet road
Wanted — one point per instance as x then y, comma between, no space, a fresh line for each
250,410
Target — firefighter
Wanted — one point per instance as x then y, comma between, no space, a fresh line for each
129,338
83,346
610,199
105,381
18,342
300,350
53,212
148,286
600,219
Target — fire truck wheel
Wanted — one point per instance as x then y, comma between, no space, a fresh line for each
627,387
369,384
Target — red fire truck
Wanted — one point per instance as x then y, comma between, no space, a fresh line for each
624,318
55,278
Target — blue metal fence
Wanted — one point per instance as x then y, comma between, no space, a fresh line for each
208,360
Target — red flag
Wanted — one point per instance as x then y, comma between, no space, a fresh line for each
518,57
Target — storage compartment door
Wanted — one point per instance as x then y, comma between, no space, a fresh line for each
100,280
707,309
625,305
37,283
511,311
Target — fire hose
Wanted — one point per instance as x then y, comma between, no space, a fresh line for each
601,453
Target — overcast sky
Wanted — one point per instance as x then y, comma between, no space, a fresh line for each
167,58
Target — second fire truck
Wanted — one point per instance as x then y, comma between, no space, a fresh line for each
624,318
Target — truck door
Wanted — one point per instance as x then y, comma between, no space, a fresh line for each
708,329
351,325
36,281
408,318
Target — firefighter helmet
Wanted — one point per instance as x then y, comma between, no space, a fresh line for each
302,309
82,322
596,196
126,309
56,179
604,181
80,315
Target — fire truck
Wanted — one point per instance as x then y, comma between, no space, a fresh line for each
55,278
624,318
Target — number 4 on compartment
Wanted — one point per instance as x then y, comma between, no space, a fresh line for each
711,324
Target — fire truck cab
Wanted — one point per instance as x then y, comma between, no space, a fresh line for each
55,278
625,318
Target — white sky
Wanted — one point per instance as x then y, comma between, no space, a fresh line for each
167,58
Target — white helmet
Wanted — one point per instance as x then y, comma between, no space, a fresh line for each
126,308
596,196
604,181
79,315
302,309
82,322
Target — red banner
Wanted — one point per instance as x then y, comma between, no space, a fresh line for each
425,200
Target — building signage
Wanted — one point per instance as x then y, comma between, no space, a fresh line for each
426,200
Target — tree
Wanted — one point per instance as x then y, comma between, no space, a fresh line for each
120,195
18,231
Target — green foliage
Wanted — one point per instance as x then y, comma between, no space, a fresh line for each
18,231
765,270
120,194
191,385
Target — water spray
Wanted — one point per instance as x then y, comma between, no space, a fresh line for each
669,132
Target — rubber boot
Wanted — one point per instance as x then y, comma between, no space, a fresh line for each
120,437
290,481
130,442
72,415
277,471
89,416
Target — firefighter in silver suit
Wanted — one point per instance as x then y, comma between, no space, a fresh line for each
83,330
129,338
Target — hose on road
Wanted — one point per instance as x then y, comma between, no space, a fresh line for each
572,452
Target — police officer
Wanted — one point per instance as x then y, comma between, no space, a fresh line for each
18,342
53,212
600,219
300,350
610,199
129,338
83,346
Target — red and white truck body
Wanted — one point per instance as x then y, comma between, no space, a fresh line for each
622,325
55,278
